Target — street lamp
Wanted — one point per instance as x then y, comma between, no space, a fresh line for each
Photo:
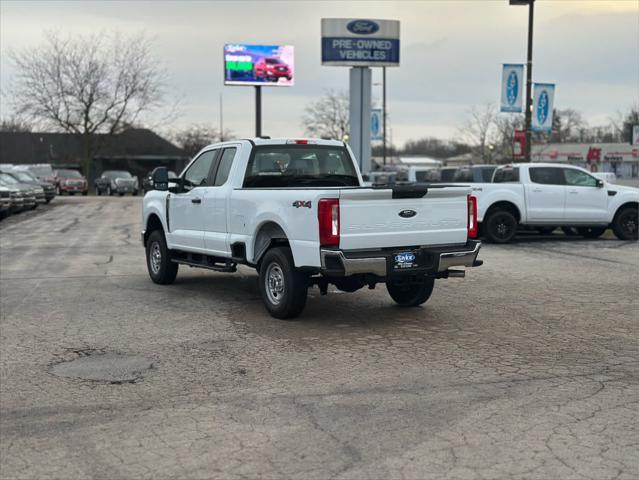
531,11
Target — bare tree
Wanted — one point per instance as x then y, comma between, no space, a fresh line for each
622,123
328,116
86,85
194,137
14,124
479,129
505,126
567,125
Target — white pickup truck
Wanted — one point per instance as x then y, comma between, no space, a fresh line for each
544,196
296,211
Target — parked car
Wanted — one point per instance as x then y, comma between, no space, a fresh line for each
24,192
119,182
42,171
475,174
271,69
5,202
70,181
544,196
147,182
25,176
296,210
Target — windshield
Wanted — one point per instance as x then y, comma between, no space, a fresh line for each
7,179
69,174
117,174
24,176
273,61
42,170
273,166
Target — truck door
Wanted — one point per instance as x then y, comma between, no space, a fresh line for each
216,205
186,215
545,194
585,199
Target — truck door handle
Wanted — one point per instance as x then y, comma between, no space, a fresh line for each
537,190
196,200
572,191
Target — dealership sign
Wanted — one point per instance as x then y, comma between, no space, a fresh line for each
544,97
511,87
360,42
267,65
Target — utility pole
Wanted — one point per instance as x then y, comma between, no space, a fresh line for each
528,112
384,115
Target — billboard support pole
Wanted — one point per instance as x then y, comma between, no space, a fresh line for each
360,116
384,115
258,111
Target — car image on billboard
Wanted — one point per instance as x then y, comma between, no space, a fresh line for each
269,65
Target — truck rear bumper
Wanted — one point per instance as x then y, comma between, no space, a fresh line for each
428,260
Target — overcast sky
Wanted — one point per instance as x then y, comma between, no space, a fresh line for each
451,54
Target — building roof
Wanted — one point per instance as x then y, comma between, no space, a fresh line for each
65,148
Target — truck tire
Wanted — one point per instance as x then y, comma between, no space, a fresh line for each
591,232
161,269
282,286
625,223
411,295
501,226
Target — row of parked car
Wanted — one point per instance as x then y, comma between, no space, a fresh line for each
24,187
21,189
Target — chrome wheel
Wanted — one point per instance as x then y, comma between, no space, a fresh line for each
274,280
155,257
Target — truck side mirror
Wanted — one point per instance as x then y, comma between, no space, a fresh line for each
600,183
160,177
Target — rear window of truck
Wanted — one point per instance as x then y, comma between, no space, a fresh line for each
282,166
506,175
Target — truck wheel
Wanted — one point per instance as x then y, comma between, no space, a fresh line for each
625,224
161,269
591,232
501,226
411,295
283,287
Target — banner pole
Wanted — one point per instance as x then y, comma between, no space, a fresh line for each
531,7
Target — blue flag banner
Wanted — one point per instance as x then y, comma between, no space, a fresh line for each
376,124
543,101
512,87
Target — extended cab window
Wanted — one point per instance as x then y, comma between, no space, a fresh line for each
223,170
506,175
547,175
577,178
198,173
272,166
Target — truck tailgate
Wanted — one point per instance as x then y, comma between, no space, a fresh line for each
370,218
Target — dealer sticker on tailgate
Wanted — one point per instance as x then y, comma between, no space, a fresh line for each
404,260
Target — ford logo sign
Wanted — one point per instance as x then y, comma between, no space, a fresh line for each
407,213
512,88
362,27
542,107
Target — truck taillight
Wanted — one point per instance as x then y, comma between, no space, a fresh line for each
328,217
472,216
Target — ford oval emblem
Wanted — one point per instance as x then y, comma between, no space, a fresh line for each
407,213
542,107
362,27
512,88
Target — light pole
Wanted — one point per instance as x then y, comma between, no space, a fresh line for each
531,11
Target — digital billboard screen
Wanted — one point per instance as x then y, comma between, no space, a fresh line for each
268,65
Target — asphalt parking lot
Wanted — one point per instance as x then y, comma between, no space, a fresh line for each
527,368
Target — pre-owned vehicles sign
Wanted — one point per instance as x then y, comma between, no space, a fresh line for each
360,42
